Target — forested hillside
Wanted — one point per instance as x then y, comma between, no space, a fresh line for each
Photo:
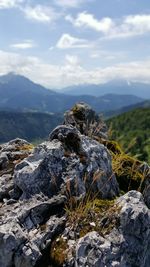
27,125
132,131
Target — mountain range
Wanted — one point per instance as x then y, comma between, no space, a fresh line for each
121,87
19,93
27,125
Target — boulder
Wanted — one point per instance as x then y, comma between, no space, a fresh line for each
71,164
127,245
146,183
85,119
11,153
26,229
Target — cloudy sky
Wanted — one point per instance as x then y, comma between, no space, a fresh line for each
60,43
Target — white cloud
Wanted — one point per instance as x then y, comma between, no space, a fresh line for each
139,22
125,27
9,3
67,41
24,45
108,55
72,59
40,13
70,3
131,26
70,74
85,19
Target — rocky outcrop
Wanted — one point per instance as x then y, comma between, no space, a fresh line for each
37,185
85,119
11,153
146,183
71,164
126,246
27,228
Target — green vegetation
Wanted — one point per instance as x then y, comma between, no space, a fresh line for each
128,170
132,131
32,126
90,214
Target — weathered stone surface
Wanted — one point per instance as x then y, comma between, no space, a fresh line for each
27,227
71,163
6,185
146,184
84,118
126,246
3,160
10,154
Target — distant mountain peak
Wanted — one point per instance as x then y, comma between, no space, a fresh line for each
115,86
18,84
12,76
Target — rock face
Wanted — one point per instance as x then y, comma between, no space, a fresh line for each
146,185
36,184
86,121
26,228
11,153
126,246
69,163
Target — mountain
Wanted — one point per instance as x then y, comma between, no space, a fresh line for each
19,93
132,131
112,113
27,125
121,87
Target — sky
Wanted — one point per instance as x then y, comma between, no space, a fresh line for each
59,43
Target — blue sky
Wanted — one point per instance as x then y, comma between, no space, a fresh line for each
60,43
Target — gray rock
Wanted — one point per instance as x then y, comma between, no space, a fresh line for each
10,154
70,163
27,227
14,145
127,245
146,183
84,118
16,149
3,160
6,185
35,185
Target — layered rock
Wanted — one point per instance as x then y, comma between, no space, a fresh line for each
70,163
11,153
27,228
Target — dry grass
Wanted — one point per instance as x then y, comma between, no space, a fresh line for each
25,147
58,251
93,215
126,168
